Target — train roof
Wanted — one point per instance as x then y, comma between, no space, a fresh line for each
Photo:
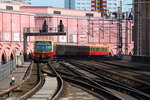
85,45
42,40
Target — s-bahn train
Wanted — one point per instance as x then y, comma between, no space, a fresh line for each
81,50
44,50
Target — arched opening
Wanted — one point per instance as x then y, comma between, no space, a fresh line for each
11,57
3,59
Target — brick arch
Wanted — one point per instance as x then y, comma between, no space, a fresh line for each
7,51
1,45
8,44
17,44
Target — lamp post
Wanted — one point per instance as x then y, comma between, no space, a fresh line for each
119,32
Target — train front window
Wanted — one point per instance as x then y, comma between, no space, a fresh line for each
43,46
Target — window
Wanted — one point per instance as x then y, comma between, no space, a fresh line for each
83,7
9,7
57,12
78,3
78,7
92,8
109,3
114,7
104,3
89,14
88,8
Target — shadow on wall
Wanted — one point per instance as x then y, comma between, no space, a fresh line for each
3,59
11,57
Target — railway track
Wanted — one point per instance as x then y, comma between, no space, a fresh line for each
90,86
45,89
51,71
136,93
16,90
125,73
84,75
33,83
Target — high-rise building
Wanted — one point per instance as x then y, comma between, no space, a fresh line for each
27,1
94,5
112,5
78,4
98,5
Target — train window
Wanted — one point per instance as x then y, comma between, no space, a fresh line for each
101,50
106,49
97,50
43,46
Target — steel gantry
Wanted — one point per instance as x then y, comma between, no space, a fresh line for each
43,31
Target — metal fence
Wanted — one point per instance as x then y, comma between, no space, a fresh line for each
7,69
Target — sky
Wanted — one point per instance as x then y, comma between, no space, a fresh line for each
42,2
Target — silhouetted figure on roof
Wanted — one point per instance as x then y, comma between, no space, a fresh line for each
60,27
115,14
44,27
130,16
123,16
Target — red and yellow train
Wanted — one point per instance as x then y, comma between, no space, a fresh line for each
45,50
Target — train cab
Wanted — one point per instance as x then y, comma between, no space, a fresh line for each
43,50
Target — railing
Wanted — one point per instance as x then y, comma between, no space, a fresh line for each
7,69
41,30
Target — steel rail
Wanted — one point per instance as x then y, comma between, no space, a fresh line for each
32,91
61,82
123,65
89,82
100,69
90,85
133,91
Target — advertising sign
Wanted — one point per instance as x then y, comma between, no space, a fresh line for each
82,38
7,36
73,38
16,36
